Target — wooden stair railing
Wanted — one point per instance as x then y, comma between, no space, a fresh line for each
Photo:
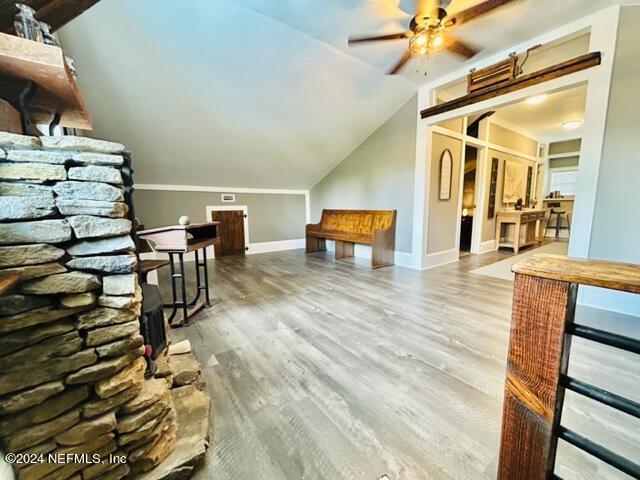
542,326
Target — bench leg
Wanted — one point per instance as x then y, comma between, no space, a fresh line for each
381,257
344,249
314,244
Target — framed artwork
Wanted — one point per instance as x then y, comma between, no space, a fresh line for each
446,171
513,184
493,187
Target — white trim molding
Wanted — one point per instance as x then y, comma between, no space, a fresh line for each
487,246
604,34
276,246
444,257
563,155
206,188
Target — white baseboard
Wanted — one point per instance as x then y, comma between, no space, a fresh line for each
405,259
402,259
488,246
277,246
437,259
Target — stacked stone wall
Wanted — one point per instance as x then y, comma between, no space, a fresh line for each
71,354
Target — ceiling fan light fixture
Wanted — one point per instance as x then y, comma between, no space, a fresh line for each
428,31
437,40
572,124
536,99
419,44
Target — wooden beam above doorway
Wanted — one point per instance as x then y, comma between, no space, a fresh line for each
555,71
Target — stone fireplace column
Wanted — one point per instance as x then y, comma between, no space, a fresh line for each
71,353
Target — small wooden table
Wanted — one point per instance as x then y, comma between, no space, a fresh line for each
515,237
176,240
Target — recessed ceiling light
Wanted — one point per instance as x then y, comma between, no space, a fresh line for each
572,124
536,99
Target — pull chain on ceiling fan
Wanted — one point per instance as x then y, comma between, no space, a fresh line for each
430,30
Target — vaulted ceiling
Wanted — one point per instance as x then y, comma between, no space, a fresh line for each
261,93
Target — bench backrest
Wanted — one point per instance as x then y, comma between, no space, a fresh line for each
356,221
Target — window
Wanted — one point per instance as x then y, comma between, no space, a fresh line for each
564,181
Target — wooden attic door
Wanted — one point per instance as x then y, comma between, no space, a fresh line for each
231,232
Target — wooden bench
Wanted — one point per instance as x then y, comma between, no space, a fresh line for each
348,227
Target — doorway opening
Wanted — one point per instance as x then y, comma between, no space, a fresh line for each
468,204
515,181
233,229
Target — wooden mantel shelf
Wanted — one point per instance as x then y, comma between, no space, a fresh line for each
597,273
22,60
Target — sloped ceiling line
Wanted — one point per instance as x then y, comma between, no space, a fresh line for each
325,43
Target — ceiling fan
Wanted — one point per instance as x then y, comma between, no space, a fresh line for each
430,30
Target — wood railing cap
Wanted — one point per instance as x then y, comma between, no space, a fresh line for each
585,271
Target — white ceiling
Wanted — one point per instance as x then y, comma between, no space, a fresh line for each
545,119
261,93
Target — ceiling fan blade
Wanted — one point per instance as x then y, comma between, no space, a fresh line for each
406,56
378,38
476,11
460,48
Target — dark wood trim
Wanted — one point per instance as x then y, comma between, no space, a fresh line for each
560,70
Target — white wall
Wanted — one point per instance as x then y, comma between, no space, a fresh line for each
616,220
378,174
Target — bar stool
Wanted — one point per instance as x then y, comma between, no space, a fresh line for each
558,214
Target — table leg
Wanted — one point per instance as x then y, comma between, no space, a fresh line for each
206,277
183,303
198,284
516,240
174,295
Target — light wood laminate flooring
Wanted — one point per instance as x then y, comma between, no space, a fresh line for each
320,369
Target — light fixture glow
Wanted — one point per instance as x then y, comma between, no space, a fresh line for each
572,124
437,40
536,99
421,40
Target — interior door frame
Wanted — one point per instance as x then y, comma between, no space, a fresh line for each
226,208
478,198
